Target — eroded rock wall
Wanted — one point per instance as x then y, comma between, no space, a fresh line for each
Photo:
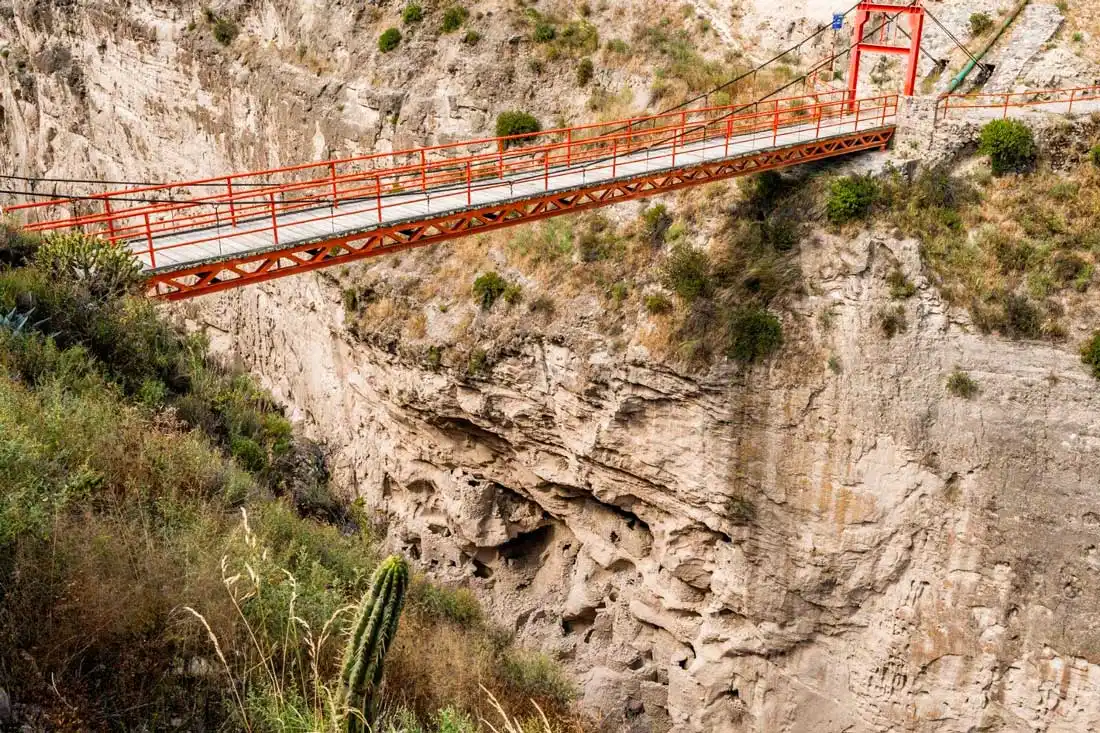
814,545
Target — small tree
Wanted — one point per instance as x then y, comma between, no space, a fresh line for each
388,40
1009,145
515,122
851,198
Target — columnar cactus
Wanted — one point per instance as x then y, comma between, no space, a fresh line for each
372,632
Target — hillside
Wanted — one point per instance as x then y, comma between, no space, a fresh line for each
164,535
814,451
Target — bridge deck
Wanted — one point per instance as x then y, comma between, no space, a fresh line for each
179,250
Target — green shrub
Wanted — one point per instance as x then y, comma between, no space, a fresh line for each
585,70
655,224
388,40
534,675
458,606
488,287
754,334
544,32
1094,155
1022,318
893,321
900,287
851,198
1090,354
413,13
960,384
471,38
516,123
686,272
980,23
225,30
657,304
453,18
478,362
618,46
16,247
1009,145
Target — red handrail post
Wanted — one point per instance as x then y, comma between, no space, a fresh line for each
674,149
569,146
335,196
500,158
883,122
546,170
1005,115
469,187
378,196
232,206
629,134
274,219
423,171
614,157
149,239
110,218
775,123
1072,94
729,131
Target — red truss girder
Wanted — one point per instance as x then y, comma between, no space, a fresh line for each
259,266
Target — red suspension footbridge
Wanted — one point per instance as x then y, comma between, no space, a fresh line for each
206,235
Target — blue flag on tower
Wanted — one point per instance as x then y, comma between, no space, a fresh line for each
838,21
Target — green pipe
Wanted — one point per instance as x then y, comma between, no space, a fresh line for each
961,76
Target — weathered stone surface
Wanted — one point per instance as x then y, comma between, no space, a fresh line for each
914,560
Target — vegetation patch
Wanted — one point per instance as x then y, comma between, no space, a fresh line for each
519,127
413,13
980,23
488,287
1009,145
1090,354
961,384
851,198
453,18
153,498
754,334
389,40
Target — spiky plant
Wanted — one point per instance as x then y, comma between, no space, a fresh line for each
372,632
14,321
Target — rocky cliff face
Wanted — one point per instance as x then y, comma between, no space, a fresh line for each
832,542
823,544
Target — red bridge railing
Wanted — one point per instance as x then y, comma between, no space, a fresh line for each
253,202
1063,99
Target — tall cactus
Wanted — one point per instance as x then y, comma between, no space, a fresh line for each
372,632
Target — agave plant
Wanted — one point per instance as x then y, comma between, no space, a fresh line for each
14,321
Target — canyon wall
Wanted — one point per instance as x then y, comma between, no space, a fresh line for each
820,544
829,542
